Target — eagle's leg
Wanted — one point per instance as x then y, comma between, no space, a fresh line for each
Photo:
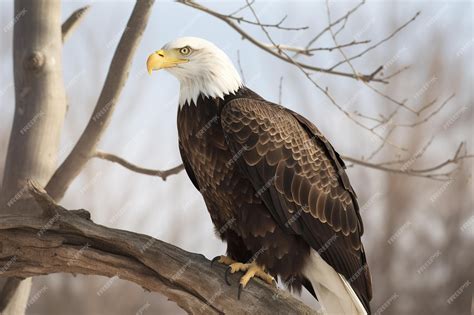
251,270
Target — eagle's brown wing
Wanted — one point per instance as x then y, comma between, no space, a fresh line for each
187,166
302,181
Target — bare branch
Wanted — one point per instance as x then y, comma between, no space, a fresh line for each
242,8
116,159
342,18
458,157
275,25
389,76
429,173
66,242
309,52
280,90
114,83
362,53
277,53
430,115
73,21
240,66
352,43
324,91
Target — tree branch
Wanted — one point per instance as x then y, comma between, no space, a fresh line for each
275,25
66,242
116,159
344,18
380,42
114,83
73,21
276,53
309,51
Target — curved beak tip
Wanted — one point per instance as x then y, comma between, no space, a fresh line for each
151,63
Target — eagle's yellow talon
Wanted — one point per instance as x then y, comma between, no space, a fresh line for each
225,260
266,277
251,270
233,268
238,267
254,270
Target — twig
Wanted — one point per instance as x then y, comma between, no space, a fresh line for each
278,53
390,76
240,66
397,30
241,8
353,43
342,18
116,159
275,25
280,90
309,52
429,116
113,86
385,139
381,145
425,173
73,20
324,91
454,160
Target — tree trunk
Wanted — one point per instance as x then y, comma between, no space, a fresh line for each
40,106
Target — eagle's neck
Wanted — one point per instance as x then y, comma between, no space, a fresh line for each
217,81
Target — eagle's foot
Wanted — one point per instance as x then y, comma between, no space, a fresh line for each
251,270
225,260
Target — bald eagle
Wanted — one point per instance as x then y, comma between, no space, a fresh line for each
275,188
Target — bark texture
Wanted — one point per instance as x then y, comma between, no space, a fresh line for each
40,106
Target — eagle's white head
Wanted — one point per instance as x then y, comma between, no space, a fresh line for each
200,66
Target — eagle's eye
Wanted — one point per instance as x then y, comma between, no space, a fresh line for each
185,50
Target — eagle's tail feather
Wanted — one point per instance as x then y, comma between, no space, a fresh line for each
334,293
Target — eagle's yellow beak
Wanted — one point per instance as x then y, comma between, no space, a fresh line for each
162,59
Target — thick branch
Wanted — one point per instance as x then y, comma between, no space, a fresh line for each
114,83
73,21
66,242
116,159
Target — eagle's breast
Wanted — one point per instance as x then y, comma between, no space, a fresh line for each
203,145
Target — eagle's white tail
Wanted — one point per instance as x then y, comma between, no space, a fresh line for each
334,293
